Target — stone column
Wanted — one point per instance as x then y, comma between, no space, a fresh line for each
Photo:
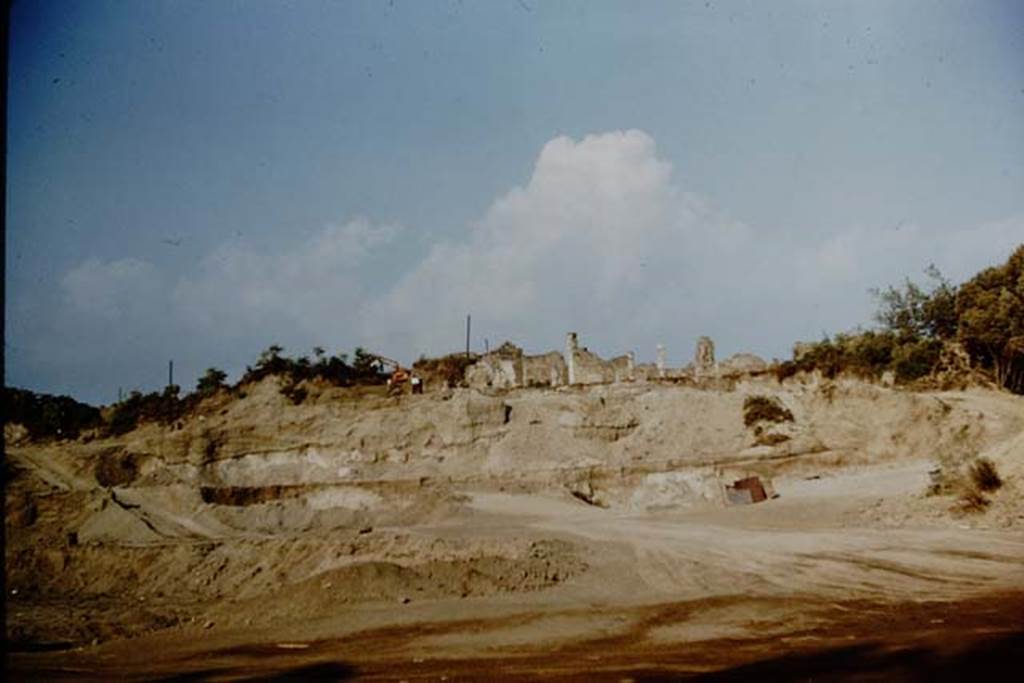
704,359
660,362
570,356
630,365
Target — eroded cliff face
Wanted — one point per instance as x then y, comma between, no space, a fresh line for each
334,462
254,493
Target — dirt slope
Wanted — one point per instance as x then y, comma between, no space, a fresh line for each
585,509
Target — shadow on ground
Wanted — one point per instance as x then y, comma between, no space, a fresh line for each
990,659
323,671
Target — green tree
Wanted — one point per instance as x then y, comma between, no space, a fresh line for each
912,311
211,381
270,355
990,320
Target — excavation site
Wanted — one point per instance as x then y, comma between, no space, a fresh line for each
637,523
513,340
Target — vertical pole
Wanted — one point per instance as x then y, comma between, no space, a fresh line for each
487,345
468,322
170,373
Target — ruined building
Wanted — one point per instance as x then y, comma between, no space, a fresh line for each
586,367
507,367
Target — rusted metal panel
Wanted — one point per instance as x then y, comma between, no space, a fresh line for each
746,491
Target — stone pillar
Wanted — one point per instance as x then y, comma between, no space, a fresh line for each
571,345
660,362
704,359
630,365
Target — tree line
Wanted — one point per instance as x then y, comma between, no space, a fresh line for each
46,416
917,325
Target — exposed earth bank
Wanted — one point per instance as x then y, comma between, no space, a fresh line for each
547,533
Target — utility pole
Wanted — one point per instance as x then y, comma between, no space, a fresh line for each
468,322
170,373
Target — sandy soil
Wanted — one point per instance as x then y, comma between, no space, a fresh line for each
329,561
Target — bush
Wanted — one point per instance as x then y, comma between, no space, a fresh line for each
334,370
785,370
163,407
915,359
866,354
984,475
763,408
449,371
48,417
211,382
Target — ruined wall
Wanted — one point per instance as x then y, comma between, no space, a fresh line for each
586,367
507,367
622,368
590,369
548,369
501,368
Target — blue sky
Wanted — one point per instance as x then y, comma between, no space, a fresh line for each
198,180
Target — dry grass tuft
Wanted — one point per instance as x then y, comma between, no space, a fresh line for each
984,475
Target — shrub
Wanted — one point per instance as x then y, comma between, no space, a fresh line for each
335,370
915,359
984,475
764,408
211,382
449,371
785,370
163,407
46,416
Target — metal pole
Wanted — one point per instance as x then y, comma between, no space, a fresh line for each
468,322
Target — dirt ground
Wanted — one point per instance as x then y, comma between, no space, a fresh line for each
547,535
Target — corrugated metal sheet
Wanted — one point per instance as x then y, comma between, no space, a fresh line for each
746,491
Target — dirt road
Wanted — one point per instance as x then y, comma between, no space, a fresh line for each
786,588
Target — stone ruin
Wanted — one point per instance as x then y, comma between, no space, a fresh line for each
704,358
586,367
508,367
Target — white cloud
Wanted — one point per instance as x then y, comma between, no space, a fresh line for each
313,291
112,290
600,240
598,235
